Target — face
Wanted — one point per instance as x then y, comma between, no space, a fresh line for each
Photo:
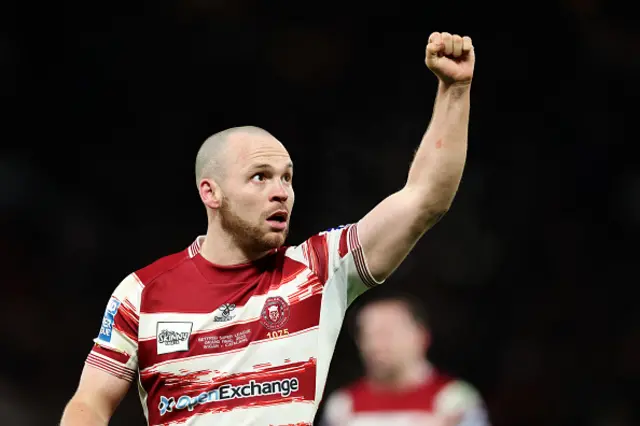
257,192
389,338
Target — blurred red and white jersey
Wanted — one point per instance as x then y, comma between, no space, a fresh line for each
241,345
363,404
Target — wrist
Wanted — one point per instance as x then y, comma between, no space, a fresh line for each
455,89
466,84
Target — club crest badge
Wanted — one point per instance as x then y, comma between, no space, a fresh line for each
275,313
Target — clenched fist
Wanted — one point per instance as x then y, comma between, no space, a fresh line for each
450,57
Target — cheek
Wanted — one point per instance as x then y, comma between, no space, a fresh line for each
400,342
249,201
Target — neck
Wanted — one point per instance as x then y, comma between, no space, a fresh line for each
410,375
222,249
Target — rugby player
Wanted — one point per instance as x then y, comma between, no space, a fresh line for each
238,329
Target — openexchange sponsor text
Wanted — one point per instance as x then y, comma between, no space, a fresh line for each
284,387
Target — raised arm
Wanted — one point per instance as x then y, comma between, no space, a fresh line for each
389,231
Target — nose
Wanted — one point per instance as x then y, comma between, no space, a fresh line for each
279,194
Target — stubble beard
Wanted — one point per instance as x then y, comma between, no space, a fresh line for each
250,237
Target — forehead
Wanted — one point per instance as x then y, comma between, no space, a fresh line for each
248,149
383,312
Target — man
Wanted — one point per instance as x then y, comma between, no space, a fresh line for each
239,330
401,387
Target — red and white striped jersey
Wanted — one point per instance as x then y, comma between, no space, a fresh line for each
362,404
235,345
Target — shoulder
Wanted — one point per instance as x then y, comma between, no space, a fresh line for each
351,391
340,403
320,243
457,395
148,274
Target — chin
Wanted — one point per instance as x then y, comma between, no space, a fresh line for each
274,240
383,374
382,368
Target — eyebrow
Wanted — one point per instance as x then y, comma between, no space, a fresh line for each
269,166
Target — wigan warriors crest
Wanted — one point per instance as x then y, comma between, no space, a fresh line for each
275,313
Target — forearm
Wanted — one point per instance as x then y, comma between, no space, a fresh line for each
436,170
79,413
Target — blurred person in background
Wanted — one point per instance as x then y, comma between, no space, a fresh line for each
238,329
400,386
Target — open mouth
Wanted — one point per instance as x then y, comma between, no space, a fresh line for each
278,220
279,217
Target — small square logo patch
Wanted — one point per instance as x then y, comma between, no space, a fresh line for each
173,336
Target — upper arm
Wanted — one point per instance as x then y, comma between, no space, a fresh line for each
111,365
391,229
116,348
100,392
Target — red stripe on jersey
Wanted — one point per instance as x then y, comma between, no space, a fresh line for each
118,356
185,290
358,258
110,367
198,286
295,382
319,253
290,271
262,365
303,314
343,246
132,311
126,320
310,288
365,398
307,255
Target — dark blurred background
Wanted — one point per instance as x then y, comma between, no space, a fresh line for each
529,277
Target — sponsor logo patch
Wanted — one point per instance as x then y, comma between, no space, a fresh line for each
173,336
106,328
284,388
225,313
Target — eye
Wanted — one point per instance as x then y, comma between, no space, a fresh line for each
259,177
287,177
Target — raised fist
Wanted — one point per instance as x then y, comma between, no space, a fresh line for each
450,57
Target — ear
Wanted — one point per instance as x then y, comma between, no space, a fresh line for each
426,339
210,193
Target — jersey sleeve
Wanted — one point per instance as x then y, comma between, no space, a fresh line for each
115,350
336,256
462,398
337,409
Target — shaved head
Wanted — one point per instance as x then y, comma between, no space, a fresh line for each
244,178
211,159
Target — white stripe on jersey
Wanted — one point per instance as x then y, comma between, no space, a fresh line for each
258,415
299,347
